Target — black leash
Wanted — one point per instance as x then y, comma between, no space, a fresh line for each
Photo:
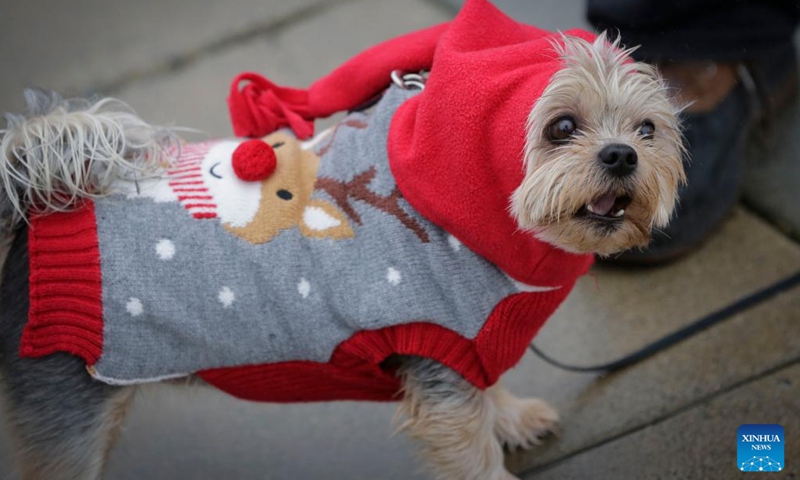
682,334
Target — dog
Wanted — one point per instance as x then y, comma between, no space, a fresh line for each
600,155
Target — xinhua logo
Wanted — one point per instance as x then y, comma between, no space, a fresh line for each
760,448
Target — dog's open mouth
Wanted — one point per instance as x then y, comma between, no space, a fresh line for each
607,208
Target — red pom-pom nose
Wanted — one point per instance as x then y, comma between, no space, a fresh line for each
254,160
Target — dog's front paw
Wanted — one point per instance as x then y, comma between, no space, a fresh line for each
524,422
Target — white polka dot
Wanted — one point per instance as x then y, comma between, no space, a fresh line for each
393,276
165,249
226,296
304,288
134,307
454,243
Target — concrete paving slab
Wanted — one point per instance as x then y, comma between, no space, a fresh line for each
205,435
85,44
615,312
700,442
296,56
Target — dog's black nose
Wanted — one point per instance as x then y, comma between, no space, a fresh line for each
620,160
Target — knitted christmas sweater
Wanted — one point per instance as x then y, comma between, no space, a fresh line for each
283,270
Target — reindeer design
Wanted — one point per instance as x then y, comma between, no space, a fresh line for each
256,188
343,192
281,174
259,188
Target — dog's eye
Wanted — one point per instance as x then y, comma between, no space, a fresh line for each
561,130
647,129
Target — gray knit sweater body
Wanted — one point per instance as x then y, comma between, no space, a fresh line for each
193,281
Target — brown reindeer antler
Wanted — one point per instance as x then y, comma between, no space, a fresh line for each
357,188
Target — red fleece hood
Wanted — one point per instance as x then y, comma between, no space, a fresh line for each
456,148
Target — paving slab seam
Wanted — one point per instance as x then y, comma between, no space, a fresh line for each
183,60
531,473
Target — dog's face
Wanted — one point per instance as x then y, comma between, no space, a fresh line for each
604,153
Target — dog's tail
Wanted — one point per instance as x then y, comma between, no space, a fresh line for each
61,151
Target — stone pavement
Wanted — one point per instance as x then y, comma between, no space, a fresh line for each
673,416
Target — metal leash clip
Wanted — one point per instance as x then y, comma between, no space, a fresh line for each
409,81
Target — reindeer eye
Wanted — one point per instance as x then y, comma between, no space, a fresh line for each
647,129
285,194
213,173
277,144
561,130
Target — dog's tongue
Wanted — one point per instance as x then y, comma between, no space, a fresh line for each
603,205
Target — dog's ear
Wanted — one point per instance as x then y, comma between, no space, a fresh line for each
321,219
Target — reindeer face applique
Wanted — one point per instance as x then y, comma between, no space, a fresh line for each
261,187
256,188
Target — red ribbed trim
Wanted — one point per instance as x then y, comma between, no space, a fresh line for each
66,296
354,371
511,328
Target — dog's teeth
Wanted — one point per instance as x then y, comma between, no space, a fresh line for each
620,213
589,207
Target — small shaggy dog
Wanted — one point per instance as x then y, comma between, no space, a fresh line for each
411,252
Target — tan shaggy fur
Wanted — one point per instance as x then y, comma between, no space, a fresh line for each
609,96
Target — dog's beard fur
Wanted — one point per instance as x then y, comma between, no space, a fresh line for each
610,97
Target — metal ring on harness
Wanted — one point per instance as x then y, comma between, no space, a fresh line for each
408,81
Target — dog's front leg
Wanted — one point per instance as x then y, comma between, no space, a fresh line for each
521,422
454,420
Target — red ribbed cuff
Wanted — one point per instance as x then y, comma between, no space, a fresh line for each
66,295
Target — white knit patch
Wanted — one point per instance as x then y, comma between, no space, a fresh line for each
165,249
226,296
134,307
454,243
318,219
304,288
393,276
235,200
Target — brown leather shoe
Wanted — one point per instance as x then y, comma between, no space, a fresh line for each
702,86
